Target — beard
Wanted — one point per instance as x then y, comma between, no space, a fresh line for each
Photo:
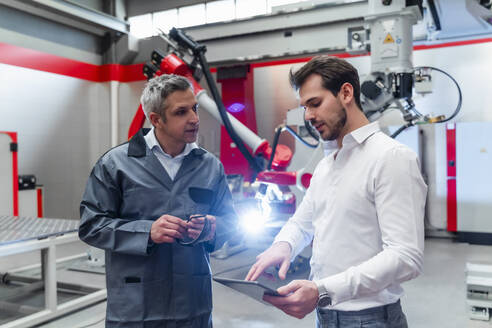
335,128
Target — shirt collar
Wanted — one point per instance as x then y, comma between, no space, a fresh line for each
152,142
361,134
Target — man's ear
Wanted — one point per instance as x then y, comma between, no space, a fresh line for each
154,118
346,93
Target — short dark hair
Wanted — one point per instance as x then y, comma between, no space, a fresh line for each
334,73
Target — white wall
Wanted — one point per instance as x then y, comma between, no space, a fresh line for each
62,128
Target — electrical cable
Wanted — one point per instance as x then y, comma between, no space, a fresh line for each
460,95
412,108
312,132
276,137
278,131
401,129
301,139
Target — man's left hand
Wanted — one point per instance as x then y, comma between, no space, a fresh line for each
196,225
300,298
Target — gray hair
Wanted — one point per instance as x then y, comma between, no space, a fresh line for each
158,89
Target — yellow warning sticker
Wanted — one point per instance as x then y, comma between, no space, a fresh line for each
389,39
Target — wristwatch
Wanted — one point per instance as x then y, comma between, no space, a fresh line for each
324,299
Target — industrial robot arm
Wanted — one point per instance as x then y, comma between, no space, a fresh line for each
393,79
180,44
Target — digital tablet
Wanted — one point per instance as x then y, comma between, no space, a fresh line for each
253,289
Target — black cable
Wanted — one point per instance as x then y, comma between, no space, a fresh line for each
310,128
456,111
401,129
460,96
198,51
278,131
301,139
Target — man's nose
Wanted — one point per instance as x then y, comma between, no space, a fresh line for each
308,115
194,117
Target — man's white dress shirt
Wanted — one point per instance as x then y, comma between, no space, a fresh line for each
364,213
170,164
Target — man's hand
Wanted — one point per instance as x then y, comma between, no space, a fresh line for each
278,254
196,225
300,298
167,229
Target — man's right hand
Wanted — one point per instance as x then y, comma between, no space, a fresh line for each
167,229
278,254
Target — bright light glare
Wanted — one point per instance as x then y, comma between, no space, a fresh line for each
266,209
253,221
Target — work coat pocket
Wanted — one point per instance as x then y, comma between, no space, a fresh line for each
137,301
201,200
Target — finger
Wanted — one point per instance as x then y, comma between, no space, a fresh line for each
176,220
172,233
282,273
261,268
198,220
289,288
251,272
167,220
172,226
194,232
277,301
195,225
211,218
255,272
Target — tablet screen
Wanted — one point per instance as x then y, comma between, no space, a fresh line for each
253,289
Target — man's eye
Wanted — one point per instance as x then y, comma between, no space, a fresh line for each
316,104
181,112
195,108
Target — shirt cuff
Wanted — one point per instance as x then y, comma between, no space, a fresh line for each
336,286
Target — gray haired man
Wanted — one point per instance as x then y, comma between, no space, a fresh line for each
158,205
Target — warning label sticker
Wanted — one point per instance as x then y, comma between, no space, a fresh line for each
389,39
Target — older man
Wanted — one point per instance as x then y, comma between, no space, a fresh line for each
157,205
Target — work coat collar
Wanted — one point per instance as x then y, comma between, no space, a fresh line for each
137,147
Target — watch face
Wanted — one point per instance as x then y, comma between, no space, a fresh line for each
324,300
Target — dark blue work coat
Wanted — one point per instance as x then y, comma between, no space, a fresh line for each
128,189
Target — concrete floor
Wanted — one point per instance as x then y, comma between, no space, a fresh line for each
435,299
